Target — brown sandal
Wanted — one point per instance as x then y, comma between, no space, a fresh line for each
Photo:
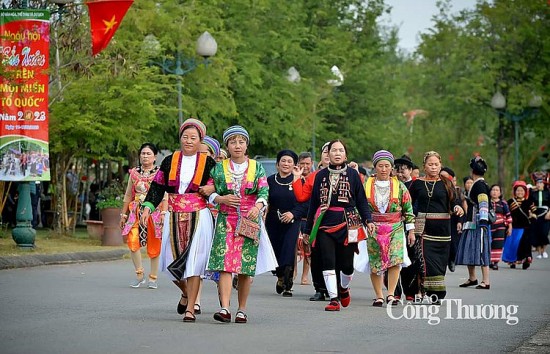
189,317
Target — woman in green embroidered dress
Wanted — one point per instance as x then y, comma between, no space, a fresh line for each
241,192
390,204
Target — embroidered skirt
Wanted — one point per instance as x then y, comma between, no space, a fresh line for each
194,239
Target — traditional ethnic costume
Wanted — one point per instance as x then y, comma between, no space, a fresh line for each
390,205
284,236
434,201
517,247
541,200
138,235
498,230
339,210
231,252
474,248
187,237
302,191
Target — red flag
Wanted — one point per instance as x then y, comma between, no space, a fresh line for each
105,17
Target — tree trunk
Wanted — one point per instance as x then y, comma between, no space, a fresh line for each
500,152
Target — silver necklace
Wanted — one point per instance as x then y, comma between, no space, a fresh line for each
382,196
289,184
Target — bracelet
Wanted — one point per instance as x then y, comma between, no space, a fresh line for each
164,212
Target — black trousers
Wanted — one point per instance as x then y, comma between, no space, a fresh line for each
334,254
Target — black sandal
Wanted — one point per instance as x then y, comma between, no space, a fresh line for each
189,317
379,302
182,308
393,301
197,309
468,283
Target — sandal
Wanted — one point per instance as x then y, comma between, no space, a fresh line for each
484,286
223,315
379,302
189,317
197,309
468,283
182,307
240,317
391,300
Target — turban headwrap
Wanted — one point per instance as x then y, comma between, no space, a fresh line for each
235,130
382,155
212,144
192,122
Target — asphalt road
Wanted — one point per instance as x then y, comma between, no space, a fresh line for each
89,308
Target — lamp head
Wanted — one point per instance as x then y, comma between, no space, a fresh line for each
206,45
498,101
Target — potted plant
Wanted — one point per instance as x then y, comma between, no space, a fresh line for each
109,204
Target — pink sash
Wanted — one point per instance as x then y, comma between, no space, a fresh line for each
186,203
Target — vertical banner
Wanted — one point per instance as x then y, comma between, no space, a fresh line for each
24,55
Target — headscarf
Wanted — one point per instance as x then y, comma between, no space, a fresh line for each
325,145
478,165
212,144
520,184
192,122
287,152
235,130
539,176
382,155
223,154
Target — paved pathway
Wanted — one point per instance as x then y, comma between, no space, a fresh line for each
88,308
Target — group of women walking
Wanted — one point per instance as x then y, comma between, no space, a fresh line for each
193,243
201,214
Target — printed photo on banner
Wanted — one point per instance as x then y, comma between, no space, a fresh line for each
24,50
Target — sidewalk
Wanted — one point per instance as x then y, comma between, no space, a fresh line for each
60,258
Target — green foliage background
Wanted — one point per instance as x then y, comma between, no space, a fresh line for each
107,106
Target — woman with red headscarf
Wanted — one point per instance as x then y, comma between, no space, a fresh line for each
517,248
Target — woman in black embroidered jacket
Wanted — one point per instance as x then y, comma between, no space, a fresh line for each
338,209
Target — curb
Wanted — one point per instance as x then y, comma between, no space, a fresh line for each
59,258
538,343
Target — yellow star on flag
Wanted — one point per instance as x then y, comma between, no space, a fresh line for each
110,24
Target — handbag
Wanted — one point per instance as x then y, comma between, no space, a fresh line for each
248,228
492,216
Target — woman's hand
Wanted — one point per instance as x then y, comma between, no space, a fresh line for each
305,239
297,172
287,217
123,219
509,230
371,229
253,213
354,165
205,191
229,200
145,213
458,210
411,238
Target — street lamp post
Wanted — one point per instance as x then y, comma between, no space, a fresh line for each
498,102
206,47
